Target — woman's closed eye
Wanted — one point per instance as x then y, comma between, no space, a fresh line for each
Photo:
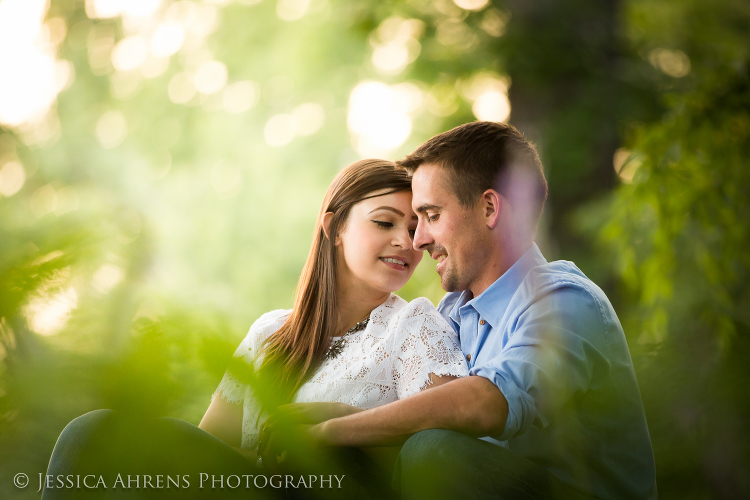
383,224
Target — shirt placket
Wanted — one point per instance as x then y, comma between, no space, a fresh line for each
470,323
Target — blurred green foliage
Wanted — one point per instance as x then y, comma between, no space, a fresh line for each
161,272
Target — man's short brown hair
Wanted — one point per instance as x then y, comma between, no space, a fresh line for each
481,156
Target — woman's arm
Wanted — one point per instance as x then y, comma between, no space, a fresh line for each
224,420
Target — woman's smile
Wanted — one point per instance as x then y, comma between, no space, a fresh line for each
397,263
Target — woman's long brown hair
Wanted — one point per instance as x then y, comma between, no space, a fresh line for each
292,353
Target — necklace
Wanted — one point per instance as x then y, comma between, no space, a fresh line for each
337,346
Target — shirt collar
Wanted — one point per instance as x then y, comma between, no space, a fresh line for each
492,303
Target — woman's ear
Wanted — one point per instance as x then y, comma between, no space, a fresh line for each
325,223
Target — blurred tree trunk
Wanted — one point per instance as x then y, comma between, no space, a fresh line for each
571,95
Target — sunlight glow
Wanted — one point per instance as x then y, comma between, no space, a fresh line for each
129,53
380,116
140,8
674,63
309,117
494,22
241,96
12,178
472,4
111,129
395,44
626,164
31,76
104,9
492,106
167,39
280,130
210,77
489,93
47,315
107,277
154,66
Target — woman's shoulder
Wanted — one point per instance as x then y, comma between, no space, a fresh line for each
272,320
403,315
260,330
396,308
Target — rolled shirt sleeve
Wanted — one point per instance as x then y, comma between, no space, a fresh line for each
556,346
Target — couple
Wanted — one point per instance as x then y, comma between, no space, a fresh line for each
526,355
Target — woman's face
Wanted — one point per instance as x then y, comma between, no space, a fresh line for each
375,247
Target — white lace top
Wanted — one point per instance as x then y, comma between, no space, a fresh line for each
392,358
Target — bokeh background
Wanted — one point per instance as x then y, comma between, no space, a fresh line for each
162,163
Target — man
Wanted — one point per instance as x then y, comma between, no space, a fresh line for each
552,392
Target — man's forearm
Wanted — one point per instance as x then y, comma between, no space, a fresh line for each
471,405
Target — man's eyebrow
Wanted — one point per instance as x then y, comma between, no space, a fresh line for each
425,208
391,209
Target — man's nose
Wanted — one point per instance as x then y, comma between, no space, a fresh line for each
422,237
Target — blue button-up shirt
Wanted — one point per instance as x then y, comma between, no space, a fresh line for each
549,339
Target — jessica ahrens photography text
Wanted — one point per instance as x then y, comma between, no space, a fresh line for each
185,481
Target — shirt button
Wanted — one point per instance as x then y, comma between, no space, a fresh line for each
468,357
481,321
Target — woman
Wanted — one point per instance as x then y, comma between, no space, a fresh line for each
348,338
348,344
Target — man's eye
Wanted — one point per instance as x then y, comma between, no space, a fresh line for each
383,224
433,218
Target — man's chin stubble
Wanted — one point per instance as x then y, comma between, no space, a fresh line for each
449,282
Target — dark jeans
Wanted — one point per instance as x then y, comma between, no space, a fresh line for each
179,460
433,464
437,464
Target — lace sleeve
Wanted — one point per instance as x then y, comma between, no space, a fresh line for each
424,343
230,388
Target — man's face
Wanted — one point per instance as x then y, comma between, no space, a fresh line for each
453,235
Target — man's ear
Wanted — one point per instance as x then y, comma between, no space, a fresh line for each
491,205
325,223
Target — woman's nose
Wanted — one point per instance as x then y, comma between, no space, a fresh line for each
402,240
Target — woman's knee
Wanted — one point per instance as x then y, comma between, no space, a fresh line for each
80,429
76,437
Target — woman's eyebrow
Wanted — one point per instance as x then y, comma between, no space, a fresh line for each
391,209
